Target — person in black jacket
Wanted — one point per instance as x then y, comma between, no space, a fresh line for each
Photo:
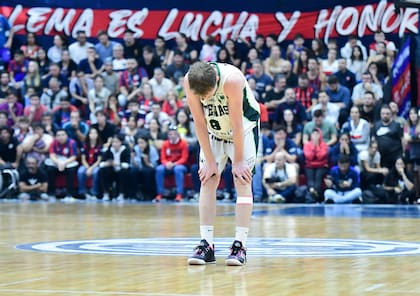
115,167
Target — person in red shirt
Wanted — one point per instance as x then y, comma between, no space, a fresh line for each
173,156
35,110
316,162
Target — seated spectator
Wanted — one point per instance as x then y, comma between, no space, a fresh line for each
17,68
10,150
13,108
157,113
343,147
111,79
79,88
275,95
106,129
356,63
234,53
62,160
149,60
186,128
91,156
340,96
132,45
177,67
33,182
161,51
22,129
61,115
395,110
343,183
344,75
263,81
292,104
115,167
358,128
32,78
317,79
331,110
54,52
35,110
55,72
173,157
147,97
78,49
37,144
171,104
67,66
130,132
291,78
189,53
371,172
370,109
104,46
399,184
30,48
329,132
293,128
364,86
133,110
43,63
160,85
280,179
76,128
47,122
92,65
208,52
143,164
273,63
316,163
98,97
119,63
5,86
53,94
305,94
330,64
112,111
155,134
353,42
130,81
412,145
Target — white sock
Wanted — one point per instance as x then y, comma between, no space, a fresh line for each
207,233
241,234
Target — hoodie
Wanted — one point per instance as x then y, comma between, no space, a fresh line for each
316,156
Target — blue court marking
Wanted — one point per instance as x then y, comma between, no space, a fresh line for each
362,211
257,247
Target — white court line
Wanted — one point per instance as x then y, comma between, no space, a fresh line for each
395,292
22,281
374,287
57,292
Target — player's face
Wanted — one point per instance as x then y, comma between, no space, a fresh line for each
209,94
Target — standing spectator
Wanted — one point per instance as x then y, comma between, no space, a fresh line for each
35,110
13,108
33,182
280,179
91,156
132,45
389,135
358,128
173,157
55,52
143,164
104,46
343,183
316,163
371,172
78,49
10,150
63,155
115,167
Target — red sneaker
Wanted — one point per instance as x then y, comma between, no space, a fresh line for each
157,198
178,198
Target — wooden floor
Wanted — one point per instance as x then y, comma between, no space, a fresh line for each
174,227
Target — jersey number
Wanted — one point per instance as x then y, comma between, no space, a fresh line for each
215,124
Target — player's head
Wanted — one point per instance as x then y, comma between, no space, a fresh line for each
202,79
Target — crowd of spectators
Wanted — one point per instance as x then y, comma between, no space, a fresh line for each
108,119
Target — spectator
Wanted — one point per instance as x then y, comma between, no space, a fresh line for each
10,150
223,56
301,64
171,104
370,109
17,68
352,42
399,184
132,45
186,128
161,51
22,129
305,94
177,67
92,65
263,81
98,97
155,134
340,96
358,128
63,159
47,122
149,60
61,114
273,64
316,163
112,111
130,81
111,78
276,95
53,95
330,64
104,46
395,110
79,88
280,179
388,134
32,79
54,72
33,182
291,78
35,110
343,183
208,52
91,156
6,35
412,146
344,75
329,132
293,128
5,86
234,53
173,157
371,172
55,52
130,132
76,128
119,63
317,79
147,97
188,52
115,167
292,104
157,113
31,47
67,68
37,144
160,84
106,129
364,86
331,110
343,147
318,48
13,108
356,63
133,110
252,56
143,164
78,49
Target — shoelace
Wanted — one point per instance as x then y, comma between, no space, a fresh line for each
200,249
236,250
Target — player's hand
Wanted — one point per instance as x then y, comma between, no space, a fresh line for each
242,173
207,171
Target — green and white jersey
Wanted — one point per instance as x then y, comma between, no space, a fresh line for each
216,108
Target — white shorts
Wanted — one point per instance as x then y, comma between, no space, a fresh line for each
222,150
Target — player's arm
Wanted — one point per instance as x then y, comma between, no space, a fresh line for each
234,91
200,123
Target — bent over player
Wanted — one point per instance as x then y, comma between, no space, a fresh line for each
226,117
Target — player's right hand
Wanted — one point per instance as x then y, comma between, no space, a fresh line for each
207,171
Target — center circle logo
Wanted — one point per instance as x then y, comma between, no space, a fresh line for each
257,247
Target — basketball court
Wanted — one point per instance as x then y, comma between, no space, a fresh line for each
141,249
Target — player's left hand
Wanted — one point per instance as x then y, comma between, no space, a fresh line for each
242,173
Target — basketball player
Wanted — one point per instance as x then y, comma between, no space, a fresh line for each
226,117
